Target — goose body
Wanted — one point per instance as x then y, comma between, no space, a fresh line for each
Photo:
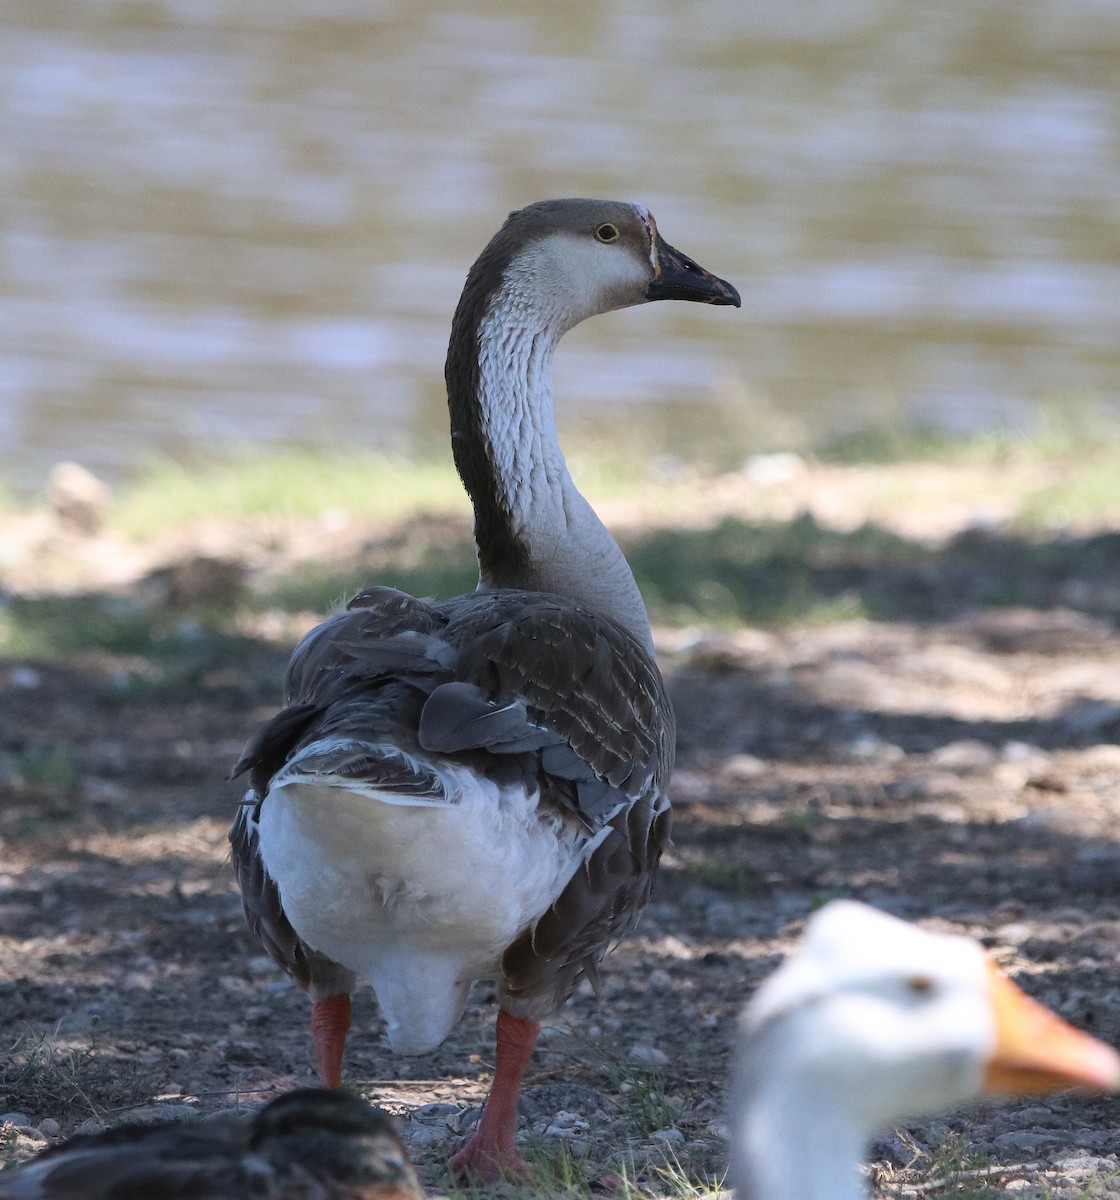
476,788
873,1020
311,1144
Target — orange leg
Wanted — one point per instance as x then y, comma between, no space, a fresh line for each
330,1023
491,1153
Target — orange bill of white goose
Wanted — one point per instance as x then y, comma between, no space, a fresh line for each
476,788
871,1020
312,1144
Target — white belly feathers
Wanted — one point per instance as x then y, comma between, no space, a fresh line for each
419,898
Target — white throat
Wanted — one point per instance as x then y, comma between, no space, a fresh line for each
571,551
794,1141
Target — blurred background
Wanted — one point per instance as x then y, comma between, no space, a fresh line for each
232,222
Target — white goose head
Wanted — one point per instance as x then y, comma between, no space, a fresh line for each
874,1019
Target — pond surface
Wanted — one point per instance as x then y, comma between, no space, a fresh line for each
230,221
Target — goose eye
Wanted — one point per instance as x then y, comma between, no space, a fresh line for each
607,233
920,985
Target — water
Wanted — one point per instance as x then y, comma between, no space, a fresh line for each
230,221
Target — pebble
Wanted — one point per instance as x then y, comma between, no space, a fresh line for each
566,1125
419,1136
869,748
436,1111
1025,1139
741,768
49,1127
769,470
1084,1163
18,1119
168,1111
672,1135
1101,931
659,981
965,756
649,1056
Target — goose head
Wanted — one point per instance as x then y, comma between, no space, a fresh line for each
874,1019
573,259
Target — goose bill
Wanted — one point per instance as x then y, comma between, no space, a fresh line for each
679,278
1037,1052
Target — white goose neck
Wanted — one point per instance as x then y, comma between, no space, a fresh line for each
792,1142
568,550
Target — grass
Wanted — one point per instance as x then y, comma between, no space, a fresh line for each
41,1075
44,770
765,573
727,875
300,483
311,483
554,1173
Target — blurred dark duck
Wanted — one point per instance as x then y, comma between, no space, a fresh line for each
312,1144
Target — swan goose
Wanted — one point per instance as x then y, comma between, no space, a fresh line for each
475,788
872,1020
312,1144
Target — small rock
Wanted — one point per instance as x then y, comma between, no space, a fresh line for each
649,1056
540,1102
566,1125
418,1136
720,1129
1100,931
1025,1139
741,768
22,1120
659,981
1052,820
768,470
77,497
465,1119
672,1135
1015,932
1024,752
435,1111
49,1127
965,756
165,1111
869,748
24,677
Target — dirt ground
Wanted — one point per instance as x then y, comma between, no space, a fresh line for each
957,763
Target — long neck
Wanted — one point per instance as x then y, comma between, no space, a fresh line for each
533,528
790,1142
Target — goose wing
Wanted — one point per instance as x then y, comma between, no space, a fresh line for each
507,682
